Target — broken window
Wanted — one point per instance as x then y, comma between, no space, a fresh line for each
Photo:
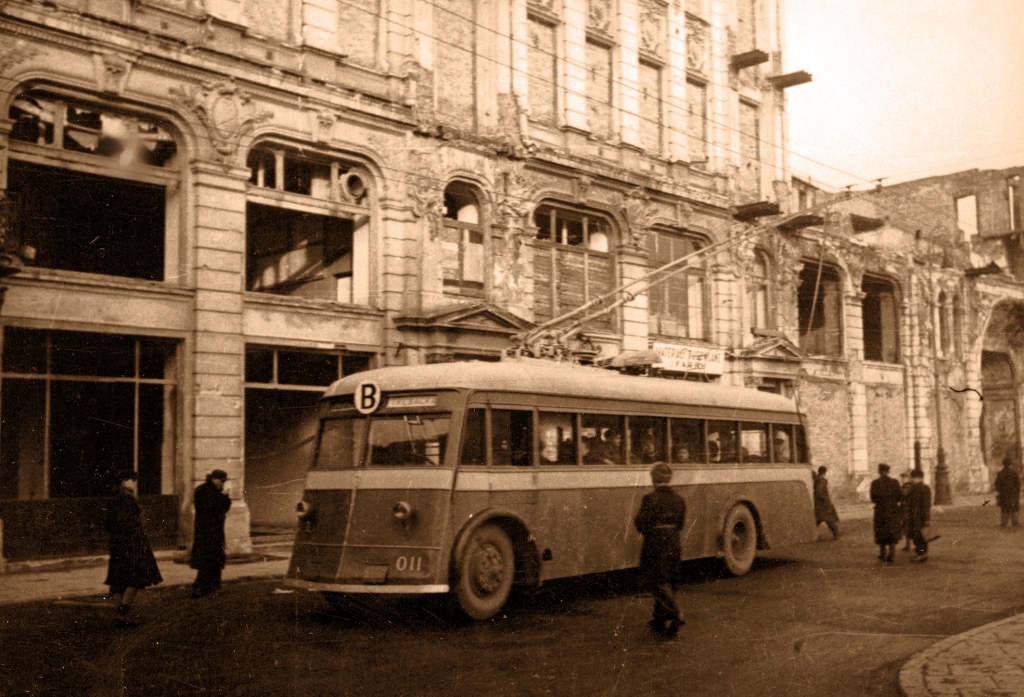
599,90
571,262
541,56
758,289
819,304
676,306
880,316
79,407
462,242
307,227
967,216
105,211
283,389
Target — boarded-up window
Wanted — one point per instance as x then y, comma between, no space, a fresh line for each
462,242
697,121
571,263
599,90
749,177
358,23
541,59
881,321
454,64
650,108
676,305
820,311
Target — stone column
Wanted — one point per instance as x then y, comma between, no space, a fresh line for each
218,421
633,263
853,303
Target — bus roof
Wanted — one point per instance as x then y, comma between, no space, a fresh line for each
533,376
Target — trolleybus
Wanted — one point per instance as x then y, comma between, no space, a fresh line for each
467,478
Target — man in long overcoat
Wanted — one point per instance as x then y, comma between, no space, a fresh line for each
1008,490
919,508
132,565
660,518
824,511
211,504
886,495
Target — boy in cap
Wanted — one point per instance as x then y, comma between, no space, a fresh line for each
211,504
660,518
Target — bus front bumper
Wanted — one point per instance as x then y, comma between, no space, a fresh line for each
375,588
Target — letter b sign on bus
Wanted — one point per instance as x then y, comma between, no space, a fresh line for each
367,397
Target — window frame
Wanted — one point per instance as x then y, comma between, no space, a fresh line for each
465,231
656,320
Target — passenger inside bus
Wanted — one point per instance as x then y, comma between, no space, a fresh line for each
607,451
783,451
682,454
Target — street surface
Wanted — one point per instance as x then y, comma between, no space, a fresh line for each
820,619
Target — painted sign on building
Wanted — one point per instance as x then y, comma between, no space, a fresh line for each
677,358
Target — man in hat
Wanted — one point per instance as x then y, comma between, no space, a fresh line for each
660,518
919,508
886,495
211,504
824,510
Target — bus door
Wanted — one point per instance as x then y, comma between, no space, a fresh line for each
379,494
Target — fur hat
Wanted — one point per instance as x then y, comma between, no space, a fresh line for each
217,474
661,473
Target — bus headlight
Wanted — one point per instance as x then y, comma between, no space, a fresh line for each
303,510
402,511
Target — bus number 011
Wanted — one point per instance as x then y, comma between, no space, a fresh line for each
409,564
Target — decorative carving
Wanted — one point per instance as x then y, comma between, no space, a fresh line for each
111,72
227,112
12,54
599,15
652,25
639,214
548,5
321,124
684,211
696,46
581,188
426,193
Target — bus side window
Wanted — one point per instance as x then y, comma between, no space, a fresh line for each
782,443
474,438
801,445
722,441
601,439
646,440
557,438
687,441
511,437
754,442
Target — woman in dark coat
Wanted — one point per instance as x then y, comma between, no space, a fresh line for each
886,495
824,511
1008,490
211,504
132,564
660,518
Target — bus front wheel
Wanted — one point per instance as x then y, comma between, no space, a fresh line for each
486,571
739,540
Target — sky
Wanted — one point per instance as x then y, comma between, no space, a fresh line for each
904,89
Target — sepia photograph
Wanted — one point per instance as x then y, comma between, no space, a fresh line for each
583,348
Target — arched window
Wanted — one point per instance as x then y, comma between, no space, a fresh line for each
880,316
676,306
571,261
758,292
462,242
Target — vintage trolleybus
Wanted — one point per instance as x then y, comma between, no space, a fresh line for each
471,477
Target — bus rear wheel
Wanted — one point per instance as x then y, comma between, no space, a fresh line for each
486,571
739,540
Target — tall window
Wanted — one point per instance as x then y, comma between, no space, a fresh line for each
599,89
91,187
541,56
462,239
942,309
749,177
676,306
306,226
967,216
697,121
881,320
78,407
455,25
650,107
746,25
758,287
571,261
819,304
1015,203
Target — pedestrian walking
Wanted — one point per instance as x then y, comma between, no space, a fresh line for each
824,511
886,495
132,565
904,488
919,508
1008,494
211,504
660,518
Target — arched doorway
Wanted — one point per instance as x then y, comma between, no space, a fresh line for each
1001,378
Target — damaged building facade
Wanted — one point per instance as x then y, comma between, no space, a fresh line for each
213,210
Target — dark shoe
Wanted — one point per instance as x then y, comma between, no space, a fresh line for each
889,559
657,626
673,627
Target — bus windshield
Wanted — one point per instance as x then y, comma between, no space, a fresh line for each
394,441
